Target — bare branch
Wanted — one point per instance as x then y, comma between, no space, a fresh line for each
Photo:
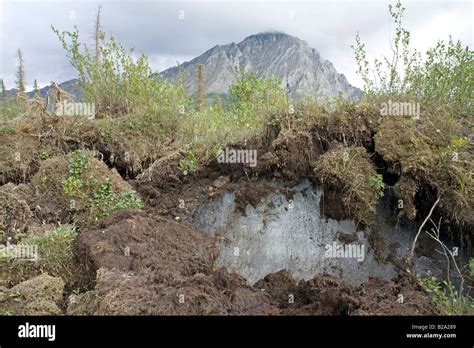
412,251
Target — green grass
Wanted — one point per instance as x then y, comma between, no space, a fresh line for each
54,247
55,257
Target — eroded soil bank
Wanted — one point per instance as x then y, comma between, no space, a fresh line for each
229,238
176,273
248,247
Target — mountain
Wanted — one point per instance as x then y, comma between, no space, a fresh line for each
297,65
300,68
72,87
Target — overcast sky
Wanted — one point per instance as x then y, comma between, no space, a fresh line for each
155,27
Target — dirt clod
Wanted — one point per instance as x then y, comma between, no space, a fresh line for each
132,240
37,296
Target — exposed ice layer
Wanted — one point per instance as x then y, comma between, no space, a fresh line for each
293,235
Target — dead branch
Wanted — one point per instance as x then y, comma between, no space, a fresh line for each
412,251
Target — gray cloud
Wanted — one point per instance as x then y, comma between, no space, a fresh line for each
156,29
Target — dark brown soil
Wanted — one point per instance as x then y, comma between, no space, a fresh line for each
131,293
279,285
327,295
296,154
383,298
251,193
15,214
133,240
332,206
347,238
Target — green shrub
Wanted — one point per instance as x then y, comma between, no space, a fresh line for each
251,101
186,165
105,201
252,96
443,78
376,182
9,110
445,293
78,161
84,187
120,84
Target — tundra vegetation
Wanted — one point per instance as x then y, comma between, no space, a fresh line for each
83,166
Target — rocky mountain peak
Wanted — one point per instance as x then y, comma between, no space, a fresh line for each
268,54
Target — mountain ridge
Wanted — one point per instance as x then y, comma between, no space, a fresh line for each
299,67
289,58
